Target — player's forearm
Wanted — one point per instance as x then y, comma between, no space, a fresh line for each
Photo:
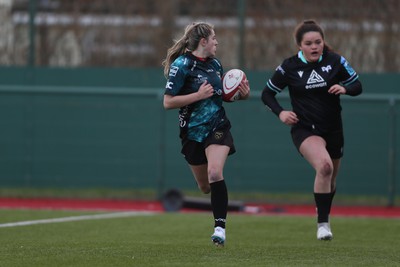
172,102
268,98
354,88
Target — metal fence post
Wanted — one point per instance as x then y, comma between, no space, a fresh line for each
32,33
392,152
161,150
242,25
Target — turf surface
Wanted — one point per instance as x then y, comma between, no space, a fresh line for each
183,239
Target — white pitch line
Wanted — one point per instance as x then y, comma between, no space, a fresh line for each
78,218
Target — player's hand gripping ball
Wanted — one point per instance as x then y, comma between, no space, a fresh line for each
230,84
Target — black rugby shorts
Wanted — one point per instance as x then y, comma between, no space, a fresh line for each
334,140
195,152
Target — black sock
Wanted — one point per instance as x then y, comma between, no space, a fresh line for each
219,202
323,202
332,195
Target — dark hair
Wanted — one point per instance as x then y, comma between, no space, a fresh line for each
308,26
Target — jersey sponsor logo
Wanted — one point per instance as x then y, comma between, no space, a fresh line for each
315,81
300,73
182,117
280,69
182,121
327,68
169,85
314,78
173,71
347,66
194,66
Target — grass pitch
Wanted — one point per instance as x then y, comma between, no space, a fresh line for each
183,239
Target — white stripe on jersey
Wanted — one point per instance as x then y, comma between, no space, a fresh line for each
273,87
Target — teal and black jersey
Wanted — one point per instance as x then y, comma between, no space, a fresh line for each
308,84
187,73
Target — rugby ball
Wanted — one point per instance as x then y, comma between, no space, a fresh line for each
230,84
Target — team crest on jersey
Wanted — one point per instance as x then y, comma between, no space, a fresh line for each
200,78
315,80
218,135
327,68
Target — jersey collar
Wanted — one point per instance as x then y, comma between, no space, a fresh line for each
188,53
302,58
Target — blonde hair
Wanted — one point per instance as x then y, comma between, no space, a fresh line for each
188,42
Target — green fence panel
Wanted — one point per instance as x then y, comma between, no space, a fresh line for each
108,131
78,139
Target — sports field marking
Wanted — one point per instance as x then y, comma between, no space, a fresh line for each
79,218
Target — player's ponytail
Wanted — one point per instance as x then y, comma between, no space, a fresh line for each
173,52
188,42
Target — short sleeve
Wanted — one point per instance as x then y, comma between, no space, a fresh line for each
176,79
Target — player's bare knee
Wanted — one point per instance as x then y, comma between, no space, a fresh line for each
214,175
325,170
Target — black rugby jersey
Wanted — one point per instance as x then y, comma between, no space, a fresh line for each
186,75
308,84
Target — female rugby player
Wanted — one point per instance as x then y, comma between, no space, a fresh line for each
316,77
194,86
